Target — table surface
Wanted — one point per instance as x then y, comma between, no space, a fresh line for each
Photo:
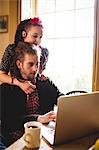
80,144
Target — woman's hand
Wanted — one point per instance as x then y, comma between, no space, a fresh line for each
26,86
43,77
50,116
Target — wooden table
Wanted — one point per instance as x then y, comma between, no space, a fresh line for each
80,144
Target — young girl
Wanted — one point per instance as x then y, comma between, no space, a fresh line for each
31,31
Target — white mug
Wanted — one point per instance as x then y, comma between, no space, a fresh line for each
32,134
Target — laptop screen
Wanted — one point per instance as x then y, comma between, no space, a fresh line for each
77,116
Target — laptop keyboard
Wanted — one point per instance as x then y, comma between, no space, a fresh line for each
48,131
50,128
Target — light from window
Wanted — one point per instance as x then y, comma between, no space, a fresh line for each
69,38
68,35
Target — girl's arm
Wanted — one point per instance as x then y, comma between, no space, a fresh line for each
24,85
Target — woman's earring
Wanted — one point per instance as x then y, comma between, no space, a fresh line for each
23,34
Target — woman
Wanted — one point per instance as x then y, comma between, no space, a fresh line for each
31,31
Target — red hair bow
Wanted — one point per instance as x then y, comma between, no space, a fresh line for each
36,20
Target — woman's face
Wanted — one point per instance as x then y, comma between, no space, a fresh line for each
34,35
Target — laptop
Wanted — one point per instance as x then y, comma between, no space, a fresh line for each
77,116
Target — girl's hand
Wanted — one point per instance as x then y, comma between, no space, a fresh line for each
26,86
50,116
43,78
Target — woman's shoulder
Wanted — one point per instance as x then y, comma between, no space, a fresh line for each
10,46
44,50
9,49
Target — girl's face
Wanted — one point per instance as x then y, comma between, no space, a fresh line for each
34,35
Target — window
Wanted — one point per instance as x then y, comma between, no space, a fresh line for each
27,7
68,35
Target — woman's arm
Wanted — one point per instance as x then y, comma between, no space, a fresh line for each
43,59
24,85
5,78
4,65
